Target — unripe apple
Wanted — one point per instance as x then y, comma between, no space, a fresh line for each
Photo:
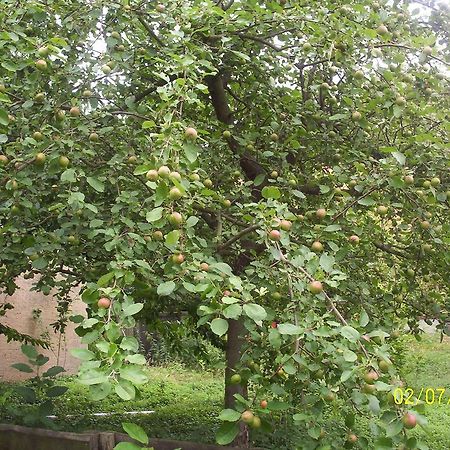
132,159
274,325
175,194
41,64
63,161
93,137
106,69
226,203
204,266
235,379
330,396
370,377
352,438
255,423
384,366
194,177
190,133
359,75
40,158
60,115
263,404
74,111
3,160
400,101
115,35
274,235
274,174
426,184
409,420
368,388
39,97
178,258
307,46
247,417
157,235
160,8
356,116
408,179
104,303
175,176
425,225
274,137
152,175
382,210
427,50
226,293
435,182
164,172
43,51
427,248
87,93
38,136
2,88
353,239
285,225
226,134
208,183
321,213
276,295
315,287
382,30
317,247
175,219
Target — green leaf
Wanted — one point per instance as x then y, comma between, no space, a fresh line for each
96,184
400,157
83,354
56,391
40,263
4,119
28,394
229,415
276,405
133,309
191,152
255,312
135,432
166,288
363,318
219,326
227,432
271,192
172,238
349,356
127,446
289,329
148,124
232,311
326,262
129,343
100,391
29,351
22,367
366,201
191,222
135,374
136,359
125,390
68,176
154,215
53,371
350,333
92,376
331,228
105,279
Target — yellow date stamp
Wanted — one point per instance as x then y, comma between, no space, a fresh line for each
429,395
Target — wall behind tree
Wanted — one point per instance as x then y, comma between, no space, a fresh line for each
32,314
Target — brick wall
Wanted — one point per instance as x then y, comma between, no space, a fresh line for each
21,318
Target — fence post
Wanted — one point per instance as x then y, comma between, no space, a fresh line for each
106,441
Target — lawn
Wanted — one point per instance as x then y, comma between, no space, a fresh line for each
186,402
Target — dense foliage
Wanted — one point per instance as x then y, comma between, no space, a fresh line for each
273,175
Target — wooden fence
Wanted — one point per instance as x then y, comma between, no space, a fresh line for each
14,437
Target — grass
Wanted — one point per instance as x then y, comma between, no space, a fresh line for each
187,402
427,365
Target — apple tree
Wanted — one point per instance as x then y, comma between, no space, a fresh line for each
275,174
